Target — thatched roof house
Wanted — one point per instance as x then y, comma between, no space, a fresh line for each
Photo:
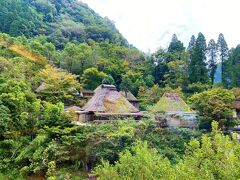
171,102
171,110
131,98
71,110
108,103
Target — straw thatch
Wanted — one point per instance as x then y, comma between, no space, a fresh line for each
129,96
108,100
172,111
72,108
171,102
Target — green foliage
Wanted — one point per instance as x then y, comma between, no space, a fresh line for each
20,102
82,147
108,80
92,78
215,156
149,96
51,170
38,138
58,20
214,104
175,45
231,69
197,67
212,54
57,85
18,18
76,58
142,163
197,88
5,118
131,81
223,51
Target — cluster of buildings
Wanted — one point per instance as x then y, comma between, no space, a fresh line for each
107,103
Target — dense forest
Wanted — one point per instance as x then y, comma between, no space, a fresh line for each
65,46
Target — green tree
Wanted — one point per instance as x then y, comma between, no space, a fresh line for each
142,163
175,45
5,119
215,156
57,85
92,78
108,80
20,106
223,50
192,43
197,68
231,71
131,81
212,55
160,58
214,104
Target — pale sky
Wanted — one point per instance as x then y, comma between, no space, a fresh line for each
150,24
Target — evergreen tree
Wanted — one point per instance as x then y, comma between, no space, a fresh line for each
212,55
232,68
223,50
192,43
175,45
197,67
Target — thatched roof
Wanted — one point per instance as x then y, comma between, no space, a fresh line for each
237,104
73,108
108,100
171,102
86,91
129,96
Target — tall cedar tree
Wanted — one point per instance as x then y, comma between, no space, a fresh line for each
197,68
232,68
192,43
212,58
175,45
223,52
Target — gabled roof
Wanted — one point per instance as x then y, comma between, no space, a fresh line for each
171,102
108,100
129,96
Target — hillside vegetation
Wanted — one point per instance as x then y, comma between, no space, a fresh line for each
50,49
61,21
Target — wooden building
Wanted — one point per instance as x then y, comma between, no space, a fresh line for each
172,111
106,104
86,94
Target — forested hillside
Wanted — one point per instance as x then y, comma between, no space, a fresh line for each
61,21
52,49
